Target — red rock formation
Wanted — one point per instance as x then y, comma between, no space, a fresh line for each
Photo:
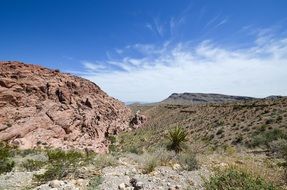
43,107
138,120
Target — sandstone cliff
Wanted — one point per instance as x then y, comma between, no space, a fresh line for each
43,107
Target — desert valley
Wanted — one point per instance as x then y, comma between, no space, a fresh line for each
60,131
143,95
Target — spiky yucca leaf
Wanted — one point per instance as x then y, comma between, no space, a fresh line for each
177,137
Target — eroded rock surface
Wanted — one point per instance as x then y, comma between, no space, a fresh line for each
43,107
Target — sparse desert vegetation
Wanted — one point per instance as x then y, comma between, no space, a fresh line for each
208,147
232,178
227,145
143,95
6,163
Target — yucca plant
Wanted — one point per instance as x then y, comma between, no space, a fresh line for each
177,137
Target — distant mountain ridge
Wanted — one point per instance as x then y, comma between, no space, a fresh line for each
200,98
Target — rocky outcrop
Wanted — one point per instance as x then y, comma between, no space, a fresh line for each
43,107
138,120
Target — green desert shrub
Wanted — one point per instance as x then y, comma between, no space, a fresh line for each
26,152
188,161
147,161
61,164
164,156
65,156
55,171
6,162
150,165
278,147
232,179
134,150
33,165
177,137
238,140
101,161
95,182
264,138
220,131
6,165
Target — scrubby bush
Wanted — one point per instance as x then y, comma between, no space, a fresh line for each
284,155
26,152
220,131
101,161
278,146
266,137
150,165
188,161
33,165
65,156
134,150
6,163
238,139
232,178
60,165
148,161
55,171
279,119
164,157
229,150
177,137
95,182
269,121
6,166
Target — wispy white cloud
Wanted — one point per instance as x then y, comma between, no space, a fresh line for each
211,21
156,26
93,67
259,70
222,22
149,26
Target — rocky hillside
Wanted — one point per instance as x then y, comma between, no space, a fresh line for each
43,107
213,125
199,98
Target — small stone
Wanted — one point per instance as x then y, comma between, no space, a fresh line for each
79,182
155,173
55,184
139,185
122,186
134,170
176,167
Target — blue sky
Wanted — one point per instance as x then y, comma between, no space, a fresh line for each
146,50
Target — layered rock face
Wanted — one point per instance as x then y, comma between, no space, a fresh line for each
46,108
